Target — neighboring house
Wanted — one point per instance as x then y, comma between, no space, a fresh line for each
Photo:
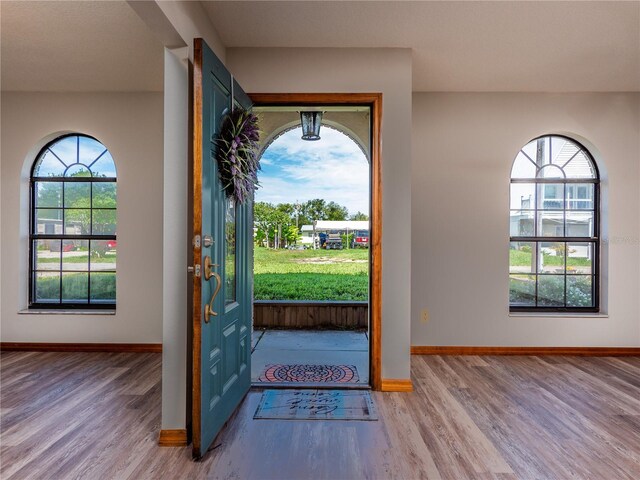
343,227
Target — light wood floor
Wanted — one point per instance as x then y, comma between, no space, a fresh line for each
97,415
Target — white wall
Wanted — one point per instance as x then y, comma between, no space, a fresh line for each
359,70
130,126
463,147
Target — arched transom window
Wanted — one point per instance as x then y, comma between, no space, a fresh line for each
553,255
73,225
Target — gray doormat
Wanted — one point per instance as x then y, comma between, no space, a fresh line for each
316,405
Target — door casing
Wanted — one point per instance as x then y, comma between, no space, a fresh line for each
374,101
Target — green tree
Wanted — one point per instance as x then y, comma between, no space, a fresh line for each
292,234
333,211
359,216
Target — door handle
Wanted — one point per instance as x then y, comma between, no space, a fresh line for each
208,273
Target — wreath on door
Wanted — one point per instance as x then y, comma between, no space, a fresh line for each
237,154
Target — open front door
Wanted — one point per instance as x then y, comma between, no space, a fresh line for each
222,252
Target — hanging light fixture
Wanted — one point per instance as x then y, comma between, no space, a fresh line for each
311,125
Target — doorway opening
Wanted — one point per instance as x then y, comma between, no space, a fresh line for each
316,244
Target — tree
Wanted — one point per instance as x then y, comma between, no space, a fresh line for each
359,216
333,211
267,218
314,210
291,234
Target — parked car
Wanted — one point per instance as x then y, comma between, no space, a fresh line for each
360,239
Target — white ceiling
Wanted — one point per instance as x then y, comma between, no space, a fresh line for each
457,46
77,46
460,46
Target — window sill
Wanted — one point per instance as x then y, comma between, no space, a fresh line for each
58,311
558,315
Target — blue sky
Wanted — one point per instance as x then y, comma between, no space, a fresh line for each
333,168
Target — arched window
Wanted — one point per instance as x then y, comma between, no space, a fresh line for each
73,225
554,227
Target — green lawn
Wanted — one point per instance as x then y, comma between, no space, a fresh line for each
520,259
311,274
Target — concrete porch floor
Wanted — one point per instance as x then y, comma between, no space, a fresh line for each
308,347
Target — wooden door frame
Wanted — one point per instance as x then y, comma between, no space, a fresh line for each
374,101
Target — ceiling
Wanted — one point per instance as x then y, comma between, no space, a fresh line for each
457,46
460,46
77,46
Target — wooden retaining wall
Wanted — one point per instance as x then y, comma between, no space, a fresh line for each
310,314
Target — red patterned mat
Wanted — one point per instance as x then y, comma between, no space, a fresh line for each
310,374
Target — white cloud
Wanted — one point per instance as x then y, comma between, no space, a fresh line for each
333,168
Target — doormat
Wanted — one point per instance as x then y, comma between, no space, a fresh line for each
310,374
316,405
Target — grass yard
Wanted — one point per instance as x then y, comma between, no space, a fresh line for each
311,274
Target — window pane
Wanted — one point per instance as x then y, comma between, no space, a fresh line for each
551,290
48,221
580,167
522,290
77,221
521,223
551,257
580,196
522,257
48,194
49,166
551,171
580,258
104,222
77,194
579,224
47,287
75,255
579,291
75,287
103,287
523,167
230,254
562,150
89,150
550,196
77,170
550,224
104,195
103,255
522,196
66,149
46,255
104,166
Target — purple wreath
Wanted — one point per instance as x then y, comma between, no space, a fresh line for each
237,154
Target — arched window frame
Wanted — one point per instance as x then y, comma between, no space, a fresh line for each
593,240
103,240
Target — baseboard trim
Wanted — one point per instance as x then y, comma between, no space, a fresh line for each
173,438
81,347
576,351
397,385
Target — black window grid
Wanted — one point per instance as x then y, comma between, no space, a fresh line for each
536,239
34,237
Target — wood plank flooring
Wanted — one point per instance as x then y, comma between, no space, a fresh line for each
97,416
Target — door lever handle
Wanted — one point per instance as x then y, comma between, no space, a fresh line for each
208,273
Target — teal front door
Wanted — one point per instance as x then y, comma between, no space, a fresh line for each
222,252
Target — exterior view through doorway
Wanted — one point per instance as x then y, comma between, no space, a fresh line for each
317,271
